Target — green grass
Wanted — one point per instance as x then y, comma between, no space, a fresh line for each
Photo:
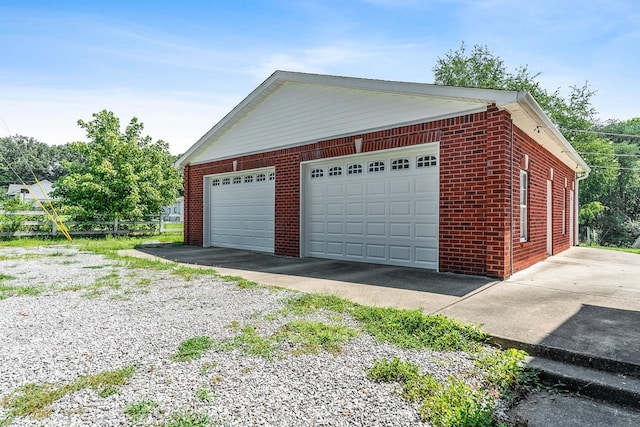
453,404
313,337
404,328
629,250
249,342
192,348
187,419
34,400
138,411
19,291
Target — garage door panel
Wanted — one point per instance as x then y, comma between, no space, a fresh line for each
334,228
242,212
354,249
354,229
374,188
400,208
388,214
356,208
400,253
401,187
376,229
354,189
334,248
376,251
426,230
376,208
400,229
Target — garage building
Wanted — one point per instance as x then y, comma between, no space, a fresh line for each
463,180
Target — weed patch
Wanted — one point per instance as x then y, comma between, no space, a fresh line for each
192,348
137,412
507,371
189,420
251,343
240,282
414,329
404,328
34,400
19,291
312,337
443,405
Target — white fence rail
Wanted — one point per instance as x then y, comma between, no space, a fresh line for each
37,223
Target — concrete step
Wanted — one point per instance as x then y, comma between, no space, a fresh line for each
592,361
606,386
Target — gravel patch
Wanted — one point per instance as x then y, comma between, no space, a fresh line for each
92,315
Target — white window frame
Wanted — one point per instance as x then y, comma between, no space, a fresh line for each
524,206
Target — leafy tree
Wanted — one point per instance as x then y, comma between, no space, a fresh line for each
610,196
124,175
26,155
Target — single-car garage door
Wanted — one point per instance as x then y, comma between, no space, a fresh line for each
241,210
380,208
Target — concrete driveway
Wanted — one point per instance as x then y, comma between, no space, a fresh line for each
583,300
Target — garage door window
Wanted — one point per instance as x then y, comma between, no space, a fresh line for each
376,166
237,180
335,171
426,161
248,178
317,173
272,176
216,182
226,181
354,169
261,177
399,164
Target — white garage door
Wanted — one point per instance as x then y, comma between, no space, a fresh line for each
380,208
242,210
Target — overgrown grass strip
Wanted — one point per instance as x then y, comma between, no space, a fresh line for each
34,400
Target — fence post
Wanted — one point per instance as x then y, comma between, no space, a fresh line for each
54,228
115,226
161,226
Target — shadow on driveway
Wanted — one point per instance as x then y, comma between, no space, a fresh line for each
415,279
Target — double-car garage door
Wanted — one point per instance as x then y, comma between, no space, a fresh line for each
380,208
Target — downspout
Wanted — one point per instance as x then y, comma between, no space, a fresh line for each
511,225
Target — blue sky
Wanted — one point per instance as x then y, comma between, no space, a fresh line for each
181,66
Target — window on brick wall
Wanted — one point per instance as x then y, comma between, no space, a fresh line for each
524,206
564,210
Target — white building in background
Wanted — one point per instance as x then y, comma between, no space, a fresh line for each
35,192
174,212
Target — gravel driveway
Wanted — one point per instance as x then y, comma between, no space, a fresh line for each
92,314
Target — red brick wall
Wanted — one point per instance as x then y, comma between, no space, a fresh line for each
540,162
475,190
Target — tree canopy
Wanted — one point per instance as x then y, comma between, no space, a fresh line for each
123,175
28,157
610,196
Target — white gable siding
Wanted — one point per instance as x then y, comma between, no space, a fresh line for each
297,113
